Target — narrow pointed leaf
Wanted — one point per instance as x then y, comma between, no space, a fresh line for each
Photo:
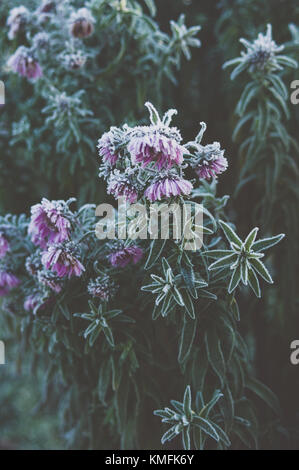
230,234
261,270
265,243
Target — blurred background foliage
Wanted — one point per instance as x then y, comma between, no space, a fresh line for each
131,60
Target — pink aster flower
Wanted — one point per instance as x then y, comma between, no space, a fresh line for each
152,144
7,282
121,256
210,168
106,148
49,223
23,63
209,161
81,23
62,259
4,245
124,184
167,186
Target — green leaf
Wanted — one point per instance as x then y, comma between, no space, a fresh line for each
168,435
215,354
244,273
223,262
189,306
265,243
254,283
230,234
261,269
235,279
155,252
222,435
235,308
217,253
250,238
264,393
187,403
177,296
206,427
186,437
187,338
189,278
109,335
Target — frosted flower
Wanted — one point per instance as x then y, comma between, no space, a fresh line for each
49,222
262,56
49,279
167,185
4,245
124,185
102,287
261,53
62,258
46,7
107,148
16,19
7,282
209,161
81,23
121,255
157,144
23,63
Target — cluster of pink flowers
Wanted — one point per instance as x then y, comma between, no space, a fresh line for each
145,160
50,228
149,161
24,61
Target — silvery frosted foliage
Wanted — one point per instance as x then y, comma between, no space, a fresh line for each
124,321
244,258
185,421
267,153
262,56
